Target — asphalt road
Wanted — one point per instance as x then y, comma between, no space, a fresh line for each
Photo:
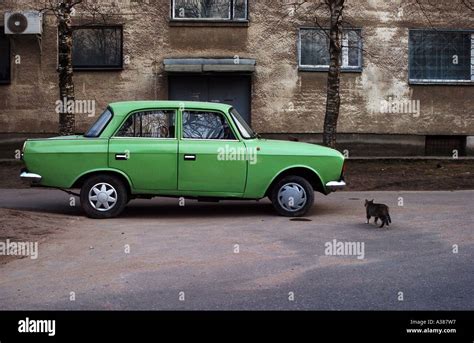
239,255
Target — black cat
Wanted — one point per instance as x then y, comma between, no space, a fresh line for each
377,211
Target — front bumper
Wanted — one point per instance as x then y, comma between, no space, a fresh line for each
332,186
26,175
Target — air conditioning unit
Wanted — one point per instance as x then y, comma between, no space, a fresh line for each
24,23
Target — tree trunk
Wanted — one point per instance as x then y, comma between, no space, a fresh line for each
333,99
66,85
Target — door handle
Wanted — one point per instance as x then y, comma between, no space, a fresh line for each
190,157
121,157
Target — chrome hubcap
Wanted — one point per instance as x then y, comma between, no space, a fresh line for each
292,197
102,197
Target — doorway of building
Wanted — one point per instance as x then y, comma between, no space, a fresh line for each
228,89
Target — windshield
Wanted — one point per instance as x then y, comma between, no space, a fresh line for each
244,128
99,126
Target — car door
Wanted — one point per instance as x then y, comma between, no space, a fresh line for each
145,148
211,158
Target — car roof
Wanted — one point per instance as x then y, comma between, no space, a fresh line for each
125,107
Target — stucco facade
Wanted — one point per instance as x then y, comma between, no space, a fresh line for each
284,99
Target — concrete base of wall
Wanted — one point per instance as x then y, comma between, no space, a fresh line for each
10,142
356,145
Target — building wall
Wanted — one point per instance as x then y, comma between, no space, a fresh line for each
284,99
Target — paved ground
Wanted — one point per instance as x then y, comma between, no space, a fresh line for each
191,249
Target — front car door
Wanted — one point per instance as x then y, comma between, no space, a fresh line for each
211,158
145,149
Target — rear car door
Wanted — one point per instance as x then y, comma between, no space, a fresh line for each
211,158
145,148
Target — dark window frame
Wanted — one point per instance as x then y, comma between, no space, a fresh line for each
323,68
117,67
231,18
9,80
446,82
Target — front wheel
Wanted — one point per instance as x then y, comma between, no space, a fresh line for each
292,196
103,196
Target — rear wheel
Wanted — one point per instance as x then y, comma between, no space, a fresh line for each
292,196
103,196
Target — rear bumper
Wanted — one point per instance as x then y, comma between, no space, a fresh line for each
26,175
332,186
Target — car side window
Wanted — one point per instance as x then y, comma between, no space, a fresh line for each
149,124
206,125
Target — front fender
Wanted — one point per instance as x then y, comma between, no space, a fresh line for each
299,166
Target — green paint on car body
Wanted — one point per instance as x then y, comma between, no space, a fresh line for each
159,166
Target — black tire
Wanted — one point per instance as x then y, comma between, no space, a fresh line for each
286,208
96,209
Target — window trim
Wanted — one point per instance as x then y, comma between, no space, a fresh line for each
236,124
230,19
445,82
181,137
9,81
105,126
325,68
114,135
101,68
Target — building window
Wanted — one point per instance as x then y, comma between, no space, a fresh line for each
4,58
209,9
313,50
149,124
441,56
97,48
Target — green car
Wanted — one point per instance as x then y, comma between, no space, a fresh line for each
205,151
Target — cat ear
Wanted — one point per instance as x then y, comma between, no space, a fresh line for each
372,200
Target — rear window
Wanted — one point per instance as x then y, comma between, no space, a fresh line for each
99,126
